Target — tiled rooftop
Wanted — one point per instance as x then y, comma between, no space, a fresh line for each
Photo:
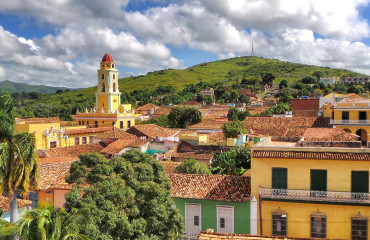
39,120
257,110
328,134
355,100
162,110
72,151
153,131
169,166
146,107
195,155
284,126
310,155
114,133
211,187
53,175
4,203
120,144
87,130
209,124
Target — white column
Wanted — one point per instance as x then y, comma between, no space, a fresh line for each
253,216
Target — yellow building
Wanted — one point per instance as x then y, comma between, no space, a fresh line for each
352,115
312,191
108,110
48,133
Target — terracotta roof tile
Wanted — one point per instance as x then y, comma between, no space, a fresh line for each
146,107
74,151
257,110
120,144
4,203
53,175
162,110
284,126
87,130
114,133
55,159
153,131
211,187
209,124
39,120
169,166
355,100
311,155
328,134
195,155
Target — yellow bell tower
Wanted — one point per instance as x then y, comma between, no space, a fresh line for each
108,97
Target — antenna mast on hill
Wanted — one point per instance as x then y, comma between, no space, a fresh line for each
252,52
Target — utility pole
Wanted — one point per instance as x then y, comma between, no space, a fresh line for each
252,52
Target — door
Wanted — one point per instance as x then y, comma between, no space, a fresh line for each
77,141
318,183
128,124
53,144
279,180
121,124
192,218
225,219
83,140
360,184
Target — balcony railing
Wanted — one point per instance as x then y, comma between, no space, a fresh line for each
316,196
351,122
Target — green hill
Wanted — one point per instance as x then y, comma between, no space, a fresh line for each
12,87
227,71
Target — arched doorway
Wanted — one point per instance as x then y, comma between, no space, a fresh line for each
347,130
362,133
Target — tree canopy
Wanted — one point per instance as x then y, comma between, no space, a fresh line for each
128,197
233,162
235,114
192,166
182,117
233,129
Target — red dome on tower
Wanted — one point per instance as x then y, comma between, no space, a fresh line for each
107,58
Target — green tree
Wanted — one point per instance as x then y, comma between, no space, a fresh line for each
129,197
233,129
192,166
46,223
233,162
235,114
182,117
18,159
160,121
309,80
284,84
267,78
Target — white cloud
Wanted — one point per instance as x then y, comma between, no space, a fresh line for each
86,30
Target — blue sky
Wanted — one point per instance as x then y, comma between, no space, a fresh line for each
61,43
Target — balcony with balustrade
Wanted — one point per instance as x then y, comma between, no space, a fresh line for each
315,196
350,122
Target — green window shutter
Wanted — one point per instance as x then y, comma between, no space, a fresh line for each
360,181
280,178
318,180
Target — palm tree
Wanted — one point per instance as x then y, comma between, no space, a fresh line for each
18,159
46,223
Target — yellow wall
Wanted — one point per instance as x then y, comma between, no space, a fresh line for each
353,114
37,130
103,99
338,179
338,172
115,102
338,218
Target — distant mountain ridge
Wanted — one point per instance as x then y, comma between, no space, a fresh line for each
13,87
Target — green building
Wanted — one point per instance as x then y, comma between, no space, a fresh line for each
217,202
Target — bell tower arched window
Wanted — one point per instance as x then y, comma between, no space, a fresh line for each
103,87
102,76
114,76
114,86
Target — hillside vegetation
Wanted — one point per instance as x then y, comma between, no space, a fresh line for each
227,71
226,76
12,87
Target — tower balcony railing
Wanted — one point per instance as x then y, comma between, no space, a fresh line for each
314,196
351,122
